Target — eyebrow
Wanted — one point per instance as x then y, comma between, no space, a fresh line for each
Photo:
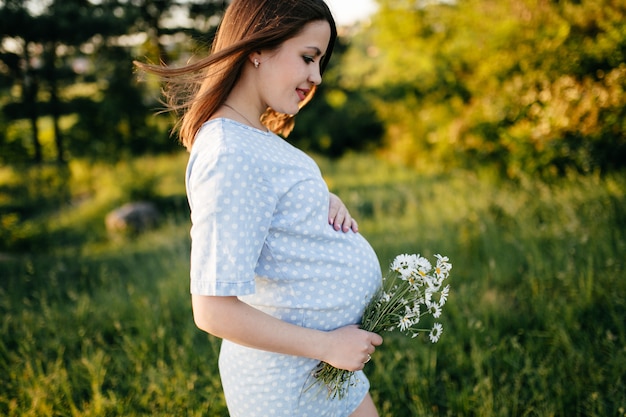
316,49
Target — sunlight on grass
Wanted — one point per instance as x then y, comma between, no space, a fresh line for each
94,326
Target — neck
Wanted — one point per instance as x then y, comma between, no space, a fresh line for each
250,121
244,100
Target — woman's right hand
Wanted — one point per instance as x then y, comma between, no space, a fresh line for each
229,318
350,347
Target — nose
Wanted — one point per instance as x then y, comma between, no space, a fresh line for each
315,77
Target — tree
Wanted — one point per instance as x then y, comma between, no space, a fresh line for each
20,68
532,85
45,46
73,57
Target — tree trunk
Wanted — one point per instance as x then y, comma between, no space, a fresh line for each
32,115
58,137
30,88
55,109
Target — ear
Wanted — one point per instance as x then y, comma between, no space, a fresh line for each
255,58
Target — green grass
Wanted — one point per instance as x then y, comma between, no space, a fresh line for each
535,323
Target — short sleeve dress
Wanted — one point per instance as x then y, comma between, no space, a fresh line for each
259,211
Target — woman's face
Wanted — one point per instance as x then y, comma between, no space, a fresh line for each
287,74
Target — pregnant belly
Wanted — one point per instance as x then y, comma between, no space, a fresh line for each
321,285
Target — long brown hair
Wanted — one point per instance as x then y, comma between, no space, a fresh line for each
197,90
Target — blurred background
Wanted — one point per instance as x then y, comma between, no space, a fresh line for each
530,86
491,131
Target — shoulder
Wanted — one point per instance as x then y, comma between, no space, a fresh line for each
222,132
225,145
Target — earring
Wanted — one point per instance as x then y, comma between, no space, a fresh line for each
256,63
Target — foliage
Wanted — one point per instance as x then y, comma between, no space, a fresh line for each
534,326
350,123
341,118
71,61
44,207
531,86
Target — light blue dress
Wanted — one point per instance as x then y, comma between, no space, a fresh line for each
259,211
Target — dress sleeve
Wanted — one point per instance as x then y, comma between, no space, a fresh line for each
231,212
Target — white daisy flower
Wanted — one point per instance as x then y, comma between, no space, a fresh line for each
442,264
434,285
444,295
414,289
423,265
428,296
406,321
416,310
442,258
416,280
435,310
404,265
435,332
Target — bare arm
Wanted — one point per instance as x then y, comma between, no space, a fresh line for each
229,318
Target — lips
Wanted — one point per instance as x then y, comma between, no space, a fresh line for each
302,93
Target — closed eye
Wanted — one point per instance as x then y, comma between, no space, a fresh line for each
308,59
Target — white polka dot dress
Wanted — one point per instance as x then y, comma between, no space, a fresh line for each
259,211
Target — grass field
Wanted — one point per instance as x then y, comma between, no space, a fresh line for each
94,325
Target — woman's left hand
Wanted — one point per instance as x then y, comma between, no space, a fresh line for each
339,216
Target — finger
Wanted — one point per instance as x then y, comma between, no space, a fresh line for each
376,339
334,205
355,226
347,221
339,220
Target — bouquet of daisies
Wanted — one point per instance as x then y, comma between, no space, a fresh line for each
411,290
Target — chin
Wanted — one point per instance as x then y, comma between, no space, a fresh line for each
292,108
289,111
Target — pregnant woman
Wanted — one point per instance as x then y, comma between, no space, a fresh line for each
281,286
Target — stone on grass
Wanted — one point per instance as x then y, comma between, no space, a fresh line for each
132,218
